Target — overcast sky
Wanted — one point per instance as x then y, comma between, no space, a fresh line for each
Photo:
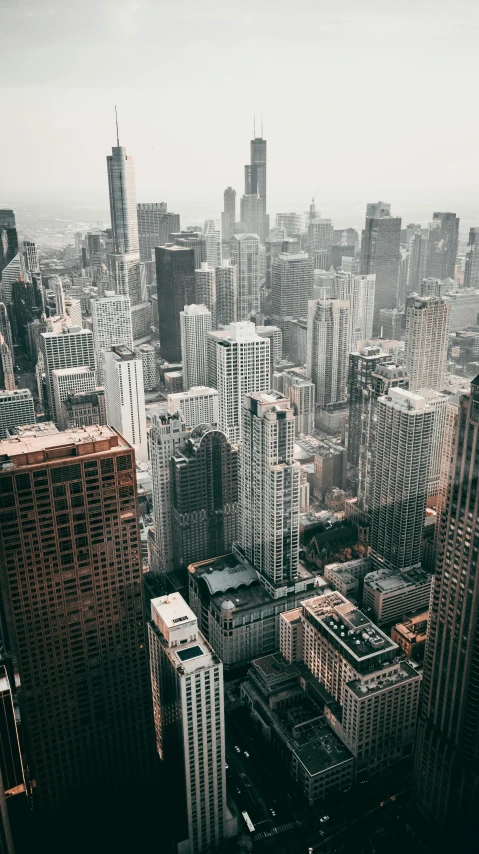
362,99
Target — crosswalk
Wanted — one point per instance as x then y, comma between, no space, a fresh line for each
263,834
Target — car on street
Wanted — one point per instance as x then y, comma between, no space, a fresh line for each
272,813
238,791
238,749
246,754
324,818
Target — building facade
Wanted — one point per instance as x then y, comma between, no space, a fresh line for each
125,398
427,330
175,277
195,324
328,345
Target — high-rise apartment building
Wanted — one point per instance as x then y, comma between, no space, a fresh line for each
126,274
67,380
71,348
228,217
72,609
301,394
269,490
198,405
438,403
242,359
195,324
427,330
328,346
362,364
125,397
111,326
380,254
7,374
446,780
155,224
204,496
359,291
205,289
146,353
226,294
471,271
442,245
244,250
212,238
175,276
187,689
399,478
16,408
166,435
291,289
320,234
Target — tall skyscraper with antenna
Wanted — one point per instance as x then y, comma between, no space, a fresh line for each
255,180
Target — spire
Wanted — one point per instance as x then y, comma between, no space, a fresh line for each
117,134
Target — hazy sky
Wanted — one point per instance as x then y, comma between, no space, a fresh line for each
362,99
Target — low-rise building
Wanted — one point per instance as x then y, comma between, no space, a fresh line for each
411,635
390,593
348,577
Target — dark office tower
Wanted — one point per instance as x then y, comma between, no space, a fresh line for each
27,306
204,496
417,262
228,217
8,238
7,375
471,272
362,364
175,276
446,787
155,224
380,254
442,250
70,573
291,288
192,240
255,173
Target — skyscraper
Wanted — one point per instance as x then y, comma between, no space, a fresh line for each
399,478
359,291
320,234
226,294
253,216
195,322
71,348
427,329
8,238
446,782
242,361
68,380
361,366
126,275
7,375
187,689
71,590
328,347
175,276
205,289
212,238
125,397
293,223
471,272
204,496
442,245
417,261
269,489
155,224
166,435
123,211
255,172
291,289
245,255
301,394
16,408
380,254
31,256
228,217
199,405
111,325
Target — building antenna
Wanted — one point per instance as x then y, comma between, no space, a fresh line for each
117,134
254,125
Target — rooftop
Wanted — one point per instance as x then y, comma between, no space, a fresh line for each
318,748
340,620
392,580
172,610
39,447
403,673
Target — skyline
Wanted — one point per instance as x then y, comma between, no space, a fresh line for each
369,120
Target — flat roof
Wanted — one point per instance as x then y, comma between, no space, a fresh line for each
404,673
351,629
392,580
173,610
25,449
318,748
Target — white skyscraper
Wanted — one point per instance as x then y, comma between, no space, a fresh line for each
66,380
126,275
146,353
166,435
244,250
212,234
125,398
399,478
122,188
328,346
301,393
195,324
71,348
438,403
199,405
427,329
111,326
205,289
16,409
188,710
269,489
359,291
242,366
